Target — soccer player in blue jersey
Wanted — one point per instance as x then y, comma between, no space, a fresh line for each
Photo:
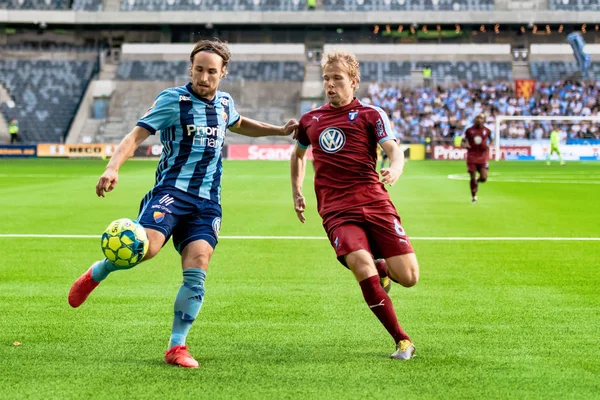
185,200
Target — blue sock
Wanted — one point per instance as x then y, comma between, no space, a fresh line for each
101,269
187,305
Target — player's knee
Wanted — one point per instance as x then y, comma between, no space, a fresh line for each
405,271
482,179
361,264
153,249
197,260
410,279
156,240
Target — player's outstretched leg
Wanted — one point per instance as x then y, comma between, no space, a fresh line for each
379,302
187,306
86,283
99,271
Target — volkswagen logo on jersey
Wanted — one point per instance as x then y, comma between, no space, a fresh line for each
332,140
477,139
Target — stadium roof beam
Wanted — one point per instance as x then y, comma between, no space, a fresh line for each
297,17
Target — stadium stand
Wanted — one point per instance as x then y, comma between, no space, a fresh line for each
554,70
241,70
46,94
408,5
213,5
36,4
574,5
51,47
440,113
88,5
449,71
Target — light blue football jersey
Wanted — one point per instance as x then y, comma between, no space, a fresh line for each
192,132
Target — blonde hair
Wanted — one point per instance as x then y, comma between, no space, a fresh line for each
347,59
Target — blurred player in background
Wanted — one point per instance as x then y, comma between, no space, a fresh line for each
476,140
186,199
554,143
358,215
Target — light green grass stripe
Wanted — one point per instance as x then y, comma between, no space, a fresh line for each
440,238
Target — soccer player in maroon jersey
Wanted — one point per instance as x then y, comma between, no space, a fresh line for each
360,220
476,140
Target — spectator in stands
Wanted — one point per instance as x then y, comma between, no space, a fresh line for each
311,4
442,112
13,129
427,75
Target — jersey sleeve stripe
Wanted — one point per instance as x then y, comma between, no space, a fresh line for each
385,139
386,121
146,127
234,122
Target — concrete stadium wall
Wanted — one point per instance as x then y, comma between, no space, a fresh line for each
318,17
427,52
239,52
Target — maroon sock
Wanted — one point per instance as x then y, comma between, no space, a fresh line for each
473,187
381,305
382,268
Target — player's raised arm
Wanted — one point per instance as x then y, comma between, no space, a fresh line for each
249,127
124,150
391,174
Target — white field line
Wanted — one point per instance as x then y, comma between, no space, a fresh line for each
501,179
430,238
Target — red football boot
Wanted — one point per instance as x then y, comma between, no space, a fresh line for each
179,355
82,288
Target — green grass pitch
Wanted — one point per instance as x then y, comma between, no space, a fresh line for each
281,318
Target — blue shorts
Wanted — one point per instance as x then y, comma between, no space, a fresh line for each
188,218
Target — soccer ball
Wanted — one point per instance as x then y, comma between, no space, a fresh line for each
124,242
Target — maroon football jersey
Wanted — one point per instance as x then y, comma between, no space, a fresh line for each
344,144
478,139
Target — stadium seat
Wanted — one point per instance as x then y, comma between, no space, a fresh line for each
574,5
88,5
408,5
247,70
476,71
46,94
36,4
213,5
553,70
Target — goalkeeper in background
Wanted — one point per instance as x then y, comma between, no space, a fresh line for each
554,142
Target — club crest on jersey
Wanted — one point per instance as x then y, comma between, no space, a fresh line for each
158,216
216,225
150,109
332,140
224,101
352,115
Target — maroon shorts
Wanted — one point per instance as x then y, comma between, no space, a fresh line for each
376,228
477,166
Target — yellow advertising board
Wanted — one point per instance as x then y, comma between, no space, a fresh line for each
75,150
